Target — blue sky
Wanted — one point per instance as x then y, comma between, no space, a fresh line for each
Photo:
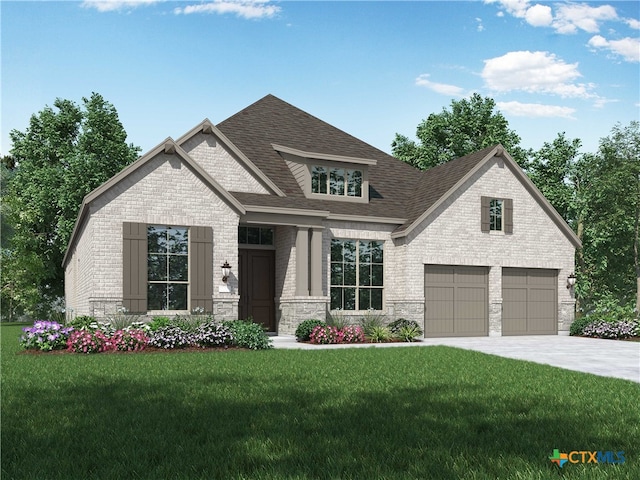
373,69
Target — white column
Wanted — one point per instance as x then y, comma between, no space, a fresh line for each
316,262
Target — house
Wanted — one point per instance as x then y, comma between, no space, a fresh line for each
306,219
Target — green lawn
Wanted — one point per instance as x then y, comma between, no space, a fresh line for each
373,413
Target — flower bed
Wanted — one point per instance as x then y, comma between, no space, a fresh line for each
320,333
89,336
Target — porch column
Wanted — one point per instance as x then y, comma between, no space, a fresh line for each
316,261
302,262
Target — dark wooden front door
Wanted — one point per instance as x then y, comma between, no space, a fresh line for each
257,286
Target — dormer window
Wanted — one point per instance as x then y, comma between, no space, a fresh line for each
336,181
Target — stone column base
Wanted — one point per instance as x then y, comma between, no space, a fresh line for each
294,310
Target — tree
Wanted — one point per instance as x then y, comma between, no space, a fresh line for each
553,170
471,124
66,151
611,196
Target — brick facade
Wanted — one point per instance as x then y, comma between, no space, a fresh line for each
165,190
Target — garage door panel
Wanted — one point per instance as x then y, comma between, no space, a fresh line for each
456,302
529,299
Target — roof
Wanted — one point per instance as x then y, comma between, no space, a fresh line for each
398,192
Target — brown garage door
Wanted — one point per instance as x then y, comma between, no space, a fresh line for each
456,301
529,301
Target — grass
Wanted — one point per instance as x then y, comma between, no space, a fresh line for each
396,413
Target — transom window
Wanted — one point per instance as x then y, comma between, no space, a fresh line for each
495,214
255,235
167,267
357,274
336,181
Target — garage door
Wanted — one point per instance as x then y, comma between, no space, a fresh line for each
529,301
456,301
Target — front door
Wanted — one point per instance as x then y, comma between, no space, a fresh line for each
257,287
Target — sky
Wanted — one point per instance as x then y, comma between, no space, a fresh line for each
372,69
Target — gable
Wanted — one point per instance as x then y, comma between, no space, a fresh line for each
455,227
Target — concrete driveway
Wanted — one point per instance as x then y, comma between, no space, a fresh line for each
608,358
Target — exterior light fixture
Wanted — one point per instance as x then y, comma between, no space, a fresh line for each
226,270
571,280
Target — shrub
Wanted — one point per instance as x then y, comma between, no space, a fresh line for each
614,330
129,340
380,334
157,323
324,335
213,334
248,335
337,320
408,333
170,337
45,335
88,341
397,325
81,321
370,321
303,332
579,324
353,334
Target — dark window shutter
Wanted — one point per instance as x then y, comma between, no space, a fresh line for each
484,213
508,215
201,268
134,267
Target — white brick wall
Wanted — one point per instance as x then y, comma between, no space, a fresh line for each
218,163
164,191
452,236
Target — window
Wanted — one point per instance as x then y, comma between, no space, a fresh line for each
167,267
356,274
255,235
495,214
336,181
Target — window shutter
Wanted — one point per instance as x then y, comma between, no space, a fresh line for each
201,268
134,267
508,215
484,213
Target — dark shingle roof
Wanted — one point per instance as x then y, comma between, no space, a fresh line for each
397,189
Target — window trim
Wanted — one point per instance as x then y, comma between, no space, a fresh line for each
168,281
506,215
357,287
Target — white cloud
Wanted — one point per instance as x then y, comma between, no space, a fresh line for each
517,8
633,23
571,17
535,110
534,72
628,48
250,9
441,88
114,5
539,16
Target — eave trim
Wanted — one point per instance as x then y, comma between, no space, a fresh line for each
324,156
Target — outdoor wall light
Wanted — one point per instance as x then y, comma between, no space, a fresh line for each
571,280
226,270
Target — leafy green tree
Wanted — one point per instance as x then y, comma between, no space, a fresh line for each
611,198
66,151
471,124
553,170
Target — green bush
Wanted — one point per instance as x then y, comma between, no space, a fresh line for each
159,322
303,332
408,333
380,334
248,335
397,325
371,321
577,327
337,320
82,322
